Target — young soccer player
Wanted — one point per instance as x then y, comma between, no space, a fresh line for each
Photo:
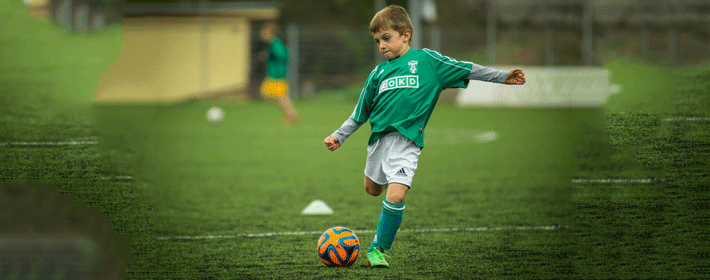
275,87
398,99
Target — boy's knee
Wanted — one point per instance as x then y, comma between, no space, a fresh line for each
396,193
395,198
373,188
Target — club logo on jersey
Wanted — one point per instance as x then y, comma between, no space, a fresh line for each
413,66
410,81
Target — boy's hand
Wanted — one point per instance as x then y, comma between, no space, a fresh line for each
331,143
516,76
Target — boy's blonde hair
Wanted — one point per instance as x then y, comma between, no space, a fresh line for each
392,17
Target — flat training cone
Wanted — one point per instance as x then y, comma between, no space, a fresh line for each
317,207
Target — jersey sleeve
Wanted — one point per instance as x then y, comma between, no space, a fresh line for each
487,74
364,105
451,73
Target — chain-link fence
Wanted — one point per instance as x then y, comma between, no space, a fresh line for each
335,56
85,15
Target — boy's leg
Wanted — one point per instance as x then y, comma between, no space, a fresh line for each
396,193
288,111
391,217
391,159
372,188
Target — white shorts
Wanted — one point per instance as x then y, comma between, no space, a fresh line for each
392,159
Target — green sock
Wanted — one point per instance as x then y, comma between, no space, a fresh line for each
387,226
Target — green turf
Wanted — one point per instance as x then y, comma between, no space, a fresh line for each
250,175
647,230
47,79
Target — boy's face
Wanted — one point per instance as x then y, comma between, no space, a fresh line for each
392,44
266,35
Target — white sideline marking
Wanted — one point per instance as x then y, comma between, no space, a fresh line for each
117,178
268,234
451,136
49,143
687,119
649,180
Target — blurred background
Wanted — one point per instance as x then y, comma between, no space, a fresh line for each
330,46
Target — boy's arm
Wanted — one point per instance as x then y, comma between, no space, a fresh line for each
515,76
359,116
486,74
338,137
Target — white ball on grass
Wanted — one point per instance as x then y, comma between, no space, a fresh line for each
215,115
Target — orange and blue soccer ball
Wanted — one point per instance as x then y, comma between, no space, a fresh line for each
338,247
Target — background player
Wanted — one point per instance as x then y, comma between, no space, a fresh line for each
398,98
274,88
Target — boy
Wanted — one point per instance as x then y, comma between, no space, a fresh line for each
398,99
275,87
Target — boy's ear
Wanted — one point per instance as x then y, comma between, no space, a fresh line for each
407,34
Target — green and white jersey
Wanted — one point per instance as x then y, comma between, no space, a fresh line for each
401,94
277,65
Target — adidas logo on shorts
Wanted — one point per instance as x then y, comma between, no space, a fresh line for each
401,173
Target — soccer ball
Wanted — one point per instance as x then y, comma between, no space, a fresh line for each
215,115
338,247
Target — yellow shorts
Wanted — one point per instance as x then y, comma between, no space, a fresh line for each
276,88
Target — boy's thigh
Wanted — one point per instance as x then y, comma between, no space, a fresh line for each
392,159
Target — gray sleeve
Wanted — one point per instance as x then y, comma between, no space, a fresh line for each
348,128
487,74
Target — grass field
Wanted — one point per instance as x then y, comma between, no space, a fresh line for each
617,192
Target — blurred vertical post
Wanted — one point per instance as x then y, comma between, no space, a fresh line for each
645,42
379,5
429,14
63,14
293,52
491,32
435,37
204,46
670,22
588,34
672,50
415,13
549,44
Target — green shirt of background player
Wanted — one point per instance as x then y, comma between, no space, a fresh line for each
277,61
398,98
274,88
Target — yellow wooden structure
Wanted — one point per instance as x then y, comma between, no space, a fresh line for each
38,8
172,54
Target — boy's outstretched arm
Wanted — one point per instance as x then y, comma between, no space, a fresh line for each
515,76
338,137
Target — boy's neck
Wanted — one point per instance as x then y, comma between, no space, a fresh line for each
405,49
